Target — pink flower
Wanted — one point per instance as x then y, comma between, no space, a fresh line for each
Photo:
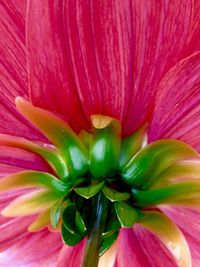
136,61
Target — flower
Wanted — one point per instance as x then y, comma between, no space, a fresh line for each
133,61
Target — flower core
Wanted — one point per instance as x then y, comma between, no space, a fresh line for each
100,182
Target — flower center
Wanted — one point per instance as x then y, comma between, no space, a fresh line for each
100,182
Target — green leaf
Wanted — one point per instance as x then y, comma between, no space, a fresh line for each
73,220
55,214
126,214
104,145
69,238
107,241
89,191
154,159
171,236
80,223
114,195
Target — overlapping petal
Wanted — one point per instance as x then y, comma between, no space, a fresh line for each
110,56
13,74
88,57
177,109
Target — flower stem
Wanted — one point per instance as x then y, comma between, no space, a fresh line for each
93,245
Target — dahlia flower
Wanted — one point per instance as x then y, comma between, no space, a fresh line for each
99,133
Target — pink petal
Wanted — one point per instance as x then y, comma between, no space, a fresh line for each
186,219
71,256
110,57
194,33
177,108
13,230
13,73
156,253
130,252
14,159
38,249
194,247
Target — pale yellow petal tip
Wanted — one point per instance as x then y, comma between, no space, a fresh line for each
100,121
8,213
33,228
19,100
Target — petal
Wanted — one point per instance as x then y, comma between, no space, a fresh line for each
13,74
160,30
107,55
30,203
177,108
186,219
130,252
71,256
18,159
171,236
38,249
156,254
13,230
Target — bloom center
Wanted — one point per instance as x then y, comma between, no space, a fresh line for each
98,181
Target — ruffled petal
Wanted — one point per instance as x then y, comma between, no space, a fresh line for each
13,72
177,110
109,56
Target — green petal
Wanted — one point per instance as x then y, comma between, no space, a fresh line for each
27,179
55,214
69,238
131,145
169,234
184,194
181,171
114,195
60,134
155,158
126,214
89,191
104,146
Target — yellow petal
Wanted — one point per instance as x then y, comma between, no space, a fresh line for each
41,222
31,203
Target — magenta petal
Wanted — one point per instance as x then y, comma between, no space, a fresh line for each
71,256
129,251
13,73
177,108
109,56
156,253
14,160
